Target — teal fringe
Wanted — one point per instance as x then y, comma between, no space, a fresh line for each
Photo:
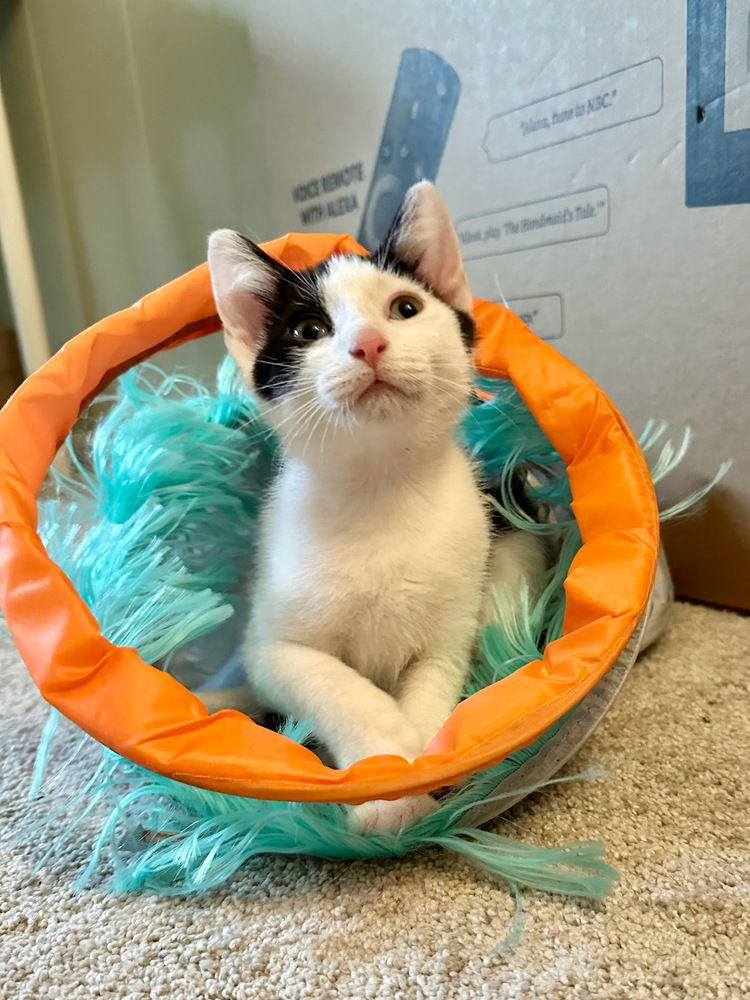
155,529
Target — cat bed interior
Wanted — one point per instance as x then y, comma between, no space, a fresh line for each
125,578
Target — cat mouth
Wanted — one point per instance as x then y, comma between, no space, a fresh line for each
378,387
381,388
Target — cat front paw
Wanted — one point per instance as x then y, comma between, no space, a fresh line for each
385,816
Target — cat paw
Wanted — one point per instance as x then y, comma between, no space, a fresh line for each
385,816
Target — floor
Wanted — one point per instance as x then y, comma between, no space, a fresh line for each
674,813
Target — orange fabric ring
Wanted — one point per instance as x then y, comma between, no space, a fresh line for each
151,719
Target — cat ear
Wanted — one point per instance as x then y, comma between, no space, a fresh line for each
423,237
244,281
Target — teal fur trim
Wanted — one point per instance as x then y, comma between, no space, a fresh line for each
666,460
155,529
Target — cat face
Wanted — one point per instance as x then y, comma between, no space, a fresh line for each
356,349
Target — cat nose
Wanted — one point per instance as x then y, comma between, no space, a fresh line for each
368,347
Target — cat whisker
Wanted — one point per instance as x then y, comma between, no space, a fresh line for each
298,413
313,428
278,364
305,424
325,434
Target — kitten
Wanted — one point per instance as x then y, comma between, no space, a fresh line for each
376,546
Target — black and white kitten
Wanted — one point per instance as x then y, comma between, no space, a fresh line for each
376,551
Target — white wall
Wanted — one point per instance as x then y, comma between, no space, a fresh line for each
135,129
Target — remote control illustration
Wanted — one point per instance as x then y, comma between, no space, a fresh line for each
416,130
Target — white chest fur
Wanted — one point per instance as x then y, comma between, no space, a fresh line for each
372,570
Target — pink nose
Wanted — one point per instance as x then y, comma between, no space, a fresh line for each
368,346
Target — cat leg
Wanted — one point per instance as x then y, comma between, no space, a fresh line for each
239,698
431,688
517,561
352,717
391,816
427,693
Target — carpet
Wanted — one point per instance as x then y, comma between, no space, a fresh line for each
674,813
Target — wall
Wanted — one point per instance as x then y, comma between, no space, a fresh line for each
595,178
135,127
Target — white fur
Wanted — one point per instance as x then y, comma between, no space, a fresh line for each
375,543
431,245
236,289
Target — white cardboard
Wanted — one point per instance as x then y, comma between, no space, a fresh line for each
565,170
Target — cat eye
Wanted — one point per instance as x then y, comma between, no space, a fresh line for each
405,306
310,328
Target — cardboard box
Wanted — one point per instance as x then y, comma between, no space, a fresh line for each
597,173
598,178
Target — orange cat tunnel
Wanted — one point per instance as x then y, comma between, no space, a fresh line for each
148,717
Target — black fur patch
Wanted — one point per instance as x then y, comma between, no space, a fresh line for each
296,295
518,496
468,328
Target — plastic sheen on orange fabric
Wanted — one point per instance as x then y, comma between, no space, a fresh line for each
149,718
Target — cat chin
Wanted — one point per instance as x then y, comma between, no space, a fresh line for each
382,405
382,397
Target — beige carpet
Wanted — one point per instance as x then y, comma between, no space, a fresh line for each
675,815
